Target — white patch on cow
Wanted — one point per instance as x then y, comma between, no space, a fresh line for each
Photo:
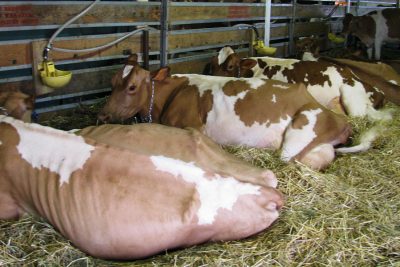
126,71
297,139
1,143
59,151
281,86
393,81
205,82
325,93
271,62
308,56
356,100
273,100
224,53
215,192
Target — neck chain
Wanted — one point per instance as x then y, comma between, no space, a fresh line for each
149,117
4,111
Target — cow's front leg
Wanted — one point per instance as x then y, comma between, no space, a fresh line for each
377,46
369,52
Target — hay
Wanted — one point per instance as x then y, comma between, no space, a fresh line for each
347,215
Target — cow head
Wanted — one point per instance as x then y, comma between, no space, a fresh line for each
17,105
226,63
131,92
346,23
307,44
229,64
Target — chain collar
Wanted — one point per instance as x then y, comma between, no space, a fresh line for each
4,111
149,117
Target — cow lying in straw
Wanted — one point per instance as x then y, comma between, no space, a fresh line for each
127,192
335,86
232,111
17,105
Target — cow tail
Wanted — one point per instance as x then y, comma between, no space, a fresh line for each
366,140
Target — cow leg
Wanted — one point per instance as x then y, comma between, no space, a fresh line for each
229,165
336,105
8,207
369,52
319,157
377,46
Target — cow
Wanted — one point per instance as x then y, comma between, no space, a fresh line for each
374,28
335,87
131,191
252,112
16,104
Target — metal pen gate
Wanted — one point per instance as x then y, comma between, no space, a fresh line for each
186,36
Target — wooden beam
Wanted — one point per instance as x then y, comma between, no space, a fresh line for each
14,14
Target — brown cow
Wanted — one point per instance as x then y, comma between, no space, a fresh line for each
252,112
127,192
17,105
335,86
374,28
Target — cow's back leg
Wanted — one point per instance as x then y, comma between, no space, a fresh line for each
8,207
229,165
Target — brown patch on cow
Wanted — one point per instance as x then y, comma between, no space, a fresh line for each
176,112
308,72
233,88
206,101
271,71
364,28
301,120
261,63
264,109
392,16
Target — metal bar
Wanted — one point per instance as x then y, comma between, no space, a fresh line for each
348,6
67,106
164,25
145,52
291,28
267,22
88,25
398,3
65,96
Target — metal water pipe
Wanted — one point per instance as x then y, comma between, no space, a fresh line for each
267,22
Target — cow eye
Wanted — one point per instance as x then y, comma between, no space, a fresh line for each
230,67
132,88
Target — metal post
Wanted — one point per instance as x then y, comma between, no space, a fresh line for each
291,28
358,8
267,22
164,27
398,4
145,51
348,6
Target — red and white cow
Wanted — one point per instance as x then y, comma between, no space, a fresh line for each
232,111
17,105
374,28
334,86
127,192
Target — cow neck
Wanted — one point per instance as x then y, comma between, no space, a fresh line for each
149,117
166,92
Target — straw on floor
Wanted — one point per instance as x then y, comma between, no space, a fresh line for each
347,215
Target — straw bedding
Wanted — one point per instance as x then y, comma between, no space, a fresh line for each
347,215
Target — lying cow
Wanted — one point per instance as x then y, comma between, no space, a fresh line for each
127,192
232,111
336,87
374,28
17,105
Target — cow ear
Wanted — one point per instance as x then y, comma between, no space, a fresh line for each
29,102
160,74
248,63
